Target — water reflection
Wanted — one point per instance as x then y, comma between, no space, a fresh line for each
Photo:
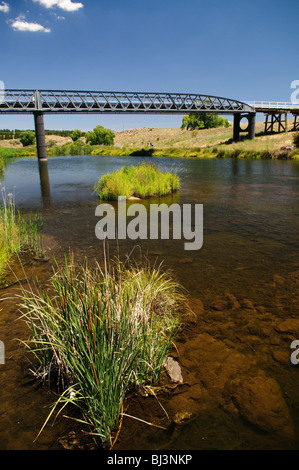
44,183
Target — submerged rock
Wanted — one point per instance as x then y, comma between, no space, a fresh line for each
233,301
289,326
234,382
182,417
219,305
260,402
173,369
248,304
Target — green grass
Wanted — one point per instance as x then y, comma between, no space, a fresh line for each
30,151
17,233
144,180
102,332
69,149
2,163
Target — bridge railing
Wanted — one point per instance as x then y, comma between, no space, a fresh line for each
275,105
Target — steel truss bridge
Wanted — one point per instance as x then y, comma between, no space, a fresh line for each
54,101
39,102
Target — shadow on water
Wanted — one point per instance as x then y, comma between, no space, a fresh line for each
243,288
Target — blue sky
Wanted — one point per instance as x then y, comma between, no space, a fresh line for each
237,49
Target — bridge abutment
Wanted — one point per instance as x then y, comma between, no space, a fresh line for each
250,129
40,135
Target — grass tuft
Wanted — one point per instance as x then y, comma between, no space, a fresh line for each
17,233
144,180
102,333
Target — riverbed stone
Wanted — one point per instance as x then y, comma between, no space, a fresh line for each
173,370
198,306
234,382
219,305
260,402
233,301
283,357
248,304
289,326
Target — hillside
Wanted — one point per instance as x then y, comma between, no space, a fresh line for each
177,140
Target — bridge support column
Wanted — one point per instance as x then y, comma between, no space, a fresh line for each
276,118
40,135
250,129
236,130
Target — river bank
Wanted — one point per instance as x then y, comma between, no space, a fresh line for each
170,142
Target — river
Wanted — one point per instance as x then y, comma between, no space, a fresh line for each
242,284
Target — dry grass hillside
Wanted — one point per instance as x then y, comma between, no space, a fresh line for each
177,138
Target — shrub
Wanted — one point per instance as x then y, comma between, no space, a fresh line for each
203,121
76,134
100,136
27,138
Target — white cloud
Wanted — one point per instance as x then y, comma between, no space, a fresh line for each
21,25
66,5
4,7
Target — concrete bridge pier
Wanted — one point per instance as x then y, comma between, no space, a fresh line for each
40,135
250,129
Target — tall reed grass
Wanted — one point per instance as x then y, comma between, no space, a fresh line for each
102,332
2,163
17,233
143,180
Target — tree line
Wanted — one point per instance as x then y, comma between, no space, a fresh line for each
102,136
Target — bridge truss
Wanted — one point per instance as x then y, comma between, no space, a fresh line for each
22,101
39,102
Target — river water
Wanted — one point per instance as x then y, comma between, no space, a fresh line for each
242,284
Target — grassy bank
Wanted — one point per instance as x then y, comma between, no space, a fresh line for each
17,233
144,180
17,152
238,150
102,333
171,142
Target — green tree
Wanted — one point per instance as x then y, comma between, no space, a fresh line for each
27,138
100,136
76,134
91,138
203,121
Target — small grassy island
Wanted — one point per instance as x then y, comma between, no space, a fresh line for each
142,181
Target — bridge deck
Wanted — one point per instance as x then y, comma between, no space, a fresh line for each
274,107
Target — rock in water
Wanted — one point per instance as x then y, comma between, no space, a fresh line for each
260,401
173,369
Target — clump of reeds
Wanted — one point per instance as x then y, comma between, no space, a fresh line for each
144,180
17,233
103,332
